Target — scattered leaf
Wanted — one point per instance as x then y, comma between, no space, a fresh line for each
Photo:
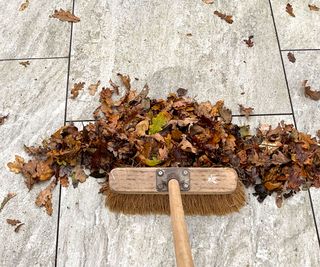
93,88
245,111
208,1
189,34
45,196
24,5
25,63
249,42
227,18
182,92
3,118
6,200
289,10
76,88
65,16
279,200
125,80
291,57
313,7
314,95
17,229
13,222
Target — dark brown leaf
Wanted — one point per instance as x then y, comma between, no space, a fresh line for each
3,118
6,200
291,57
313,7
314,95
249,42
65,16
13,222
182,92
289,10
25,63
17,229
227,18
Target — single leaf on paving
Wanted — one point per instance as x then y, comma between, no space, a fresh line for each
289,10
291,57
6,200
246,111
93,88
314,95
3,118
313,7
208,1
182,92
65,16
45,197
227,18
17,229
24,5
13,222
25,63
249,42
77,87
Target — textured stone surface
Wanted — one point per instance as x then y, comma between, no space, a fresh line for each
31,33
34,98
148,40
307,111
260,235
301,31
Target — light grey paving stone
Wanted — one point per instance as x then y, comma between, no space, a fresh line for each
34,99
307,111
31,33
301,31
259,235
148,40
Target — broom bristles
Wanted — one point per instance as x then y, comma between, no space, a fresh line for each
192,204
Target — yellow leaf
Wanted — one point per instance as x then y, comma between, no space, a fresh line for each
152,162
159,121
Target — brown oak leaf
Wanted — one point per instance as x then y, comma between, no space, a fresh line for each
25,63
13,222
125,79
245,111
289,10
314,95
225,114
45,196
291,57
24,5
76,88
227,18
65,16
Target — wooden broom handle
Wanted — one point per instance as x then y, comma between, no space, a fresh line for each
179,227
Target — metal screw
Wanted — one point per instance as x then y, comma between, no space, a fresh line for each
160,172
185,186
185,172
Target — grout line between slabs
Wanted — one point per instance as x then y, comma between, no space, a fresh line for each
65,122
293,115
31,58
301,50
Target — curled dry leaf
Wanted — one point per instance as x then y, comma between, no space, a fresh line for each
6,200
289,10
225,114
13,222
227,18
78,175
245,111
24,5
249,42
142,127
313,7
189,34
77,87
17,229
17,165
25,63
64,181
3,118
125,79
45,197
314,95
186,145
114,86
208,1
291,57
65,16
182,92
93,88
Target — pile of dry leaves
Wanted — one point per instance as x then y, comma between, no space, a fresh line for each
138,131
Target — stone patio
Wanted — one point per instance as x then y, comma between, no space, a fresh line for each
148,40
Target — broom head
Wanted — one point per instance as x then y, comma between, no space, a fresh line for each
205,191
